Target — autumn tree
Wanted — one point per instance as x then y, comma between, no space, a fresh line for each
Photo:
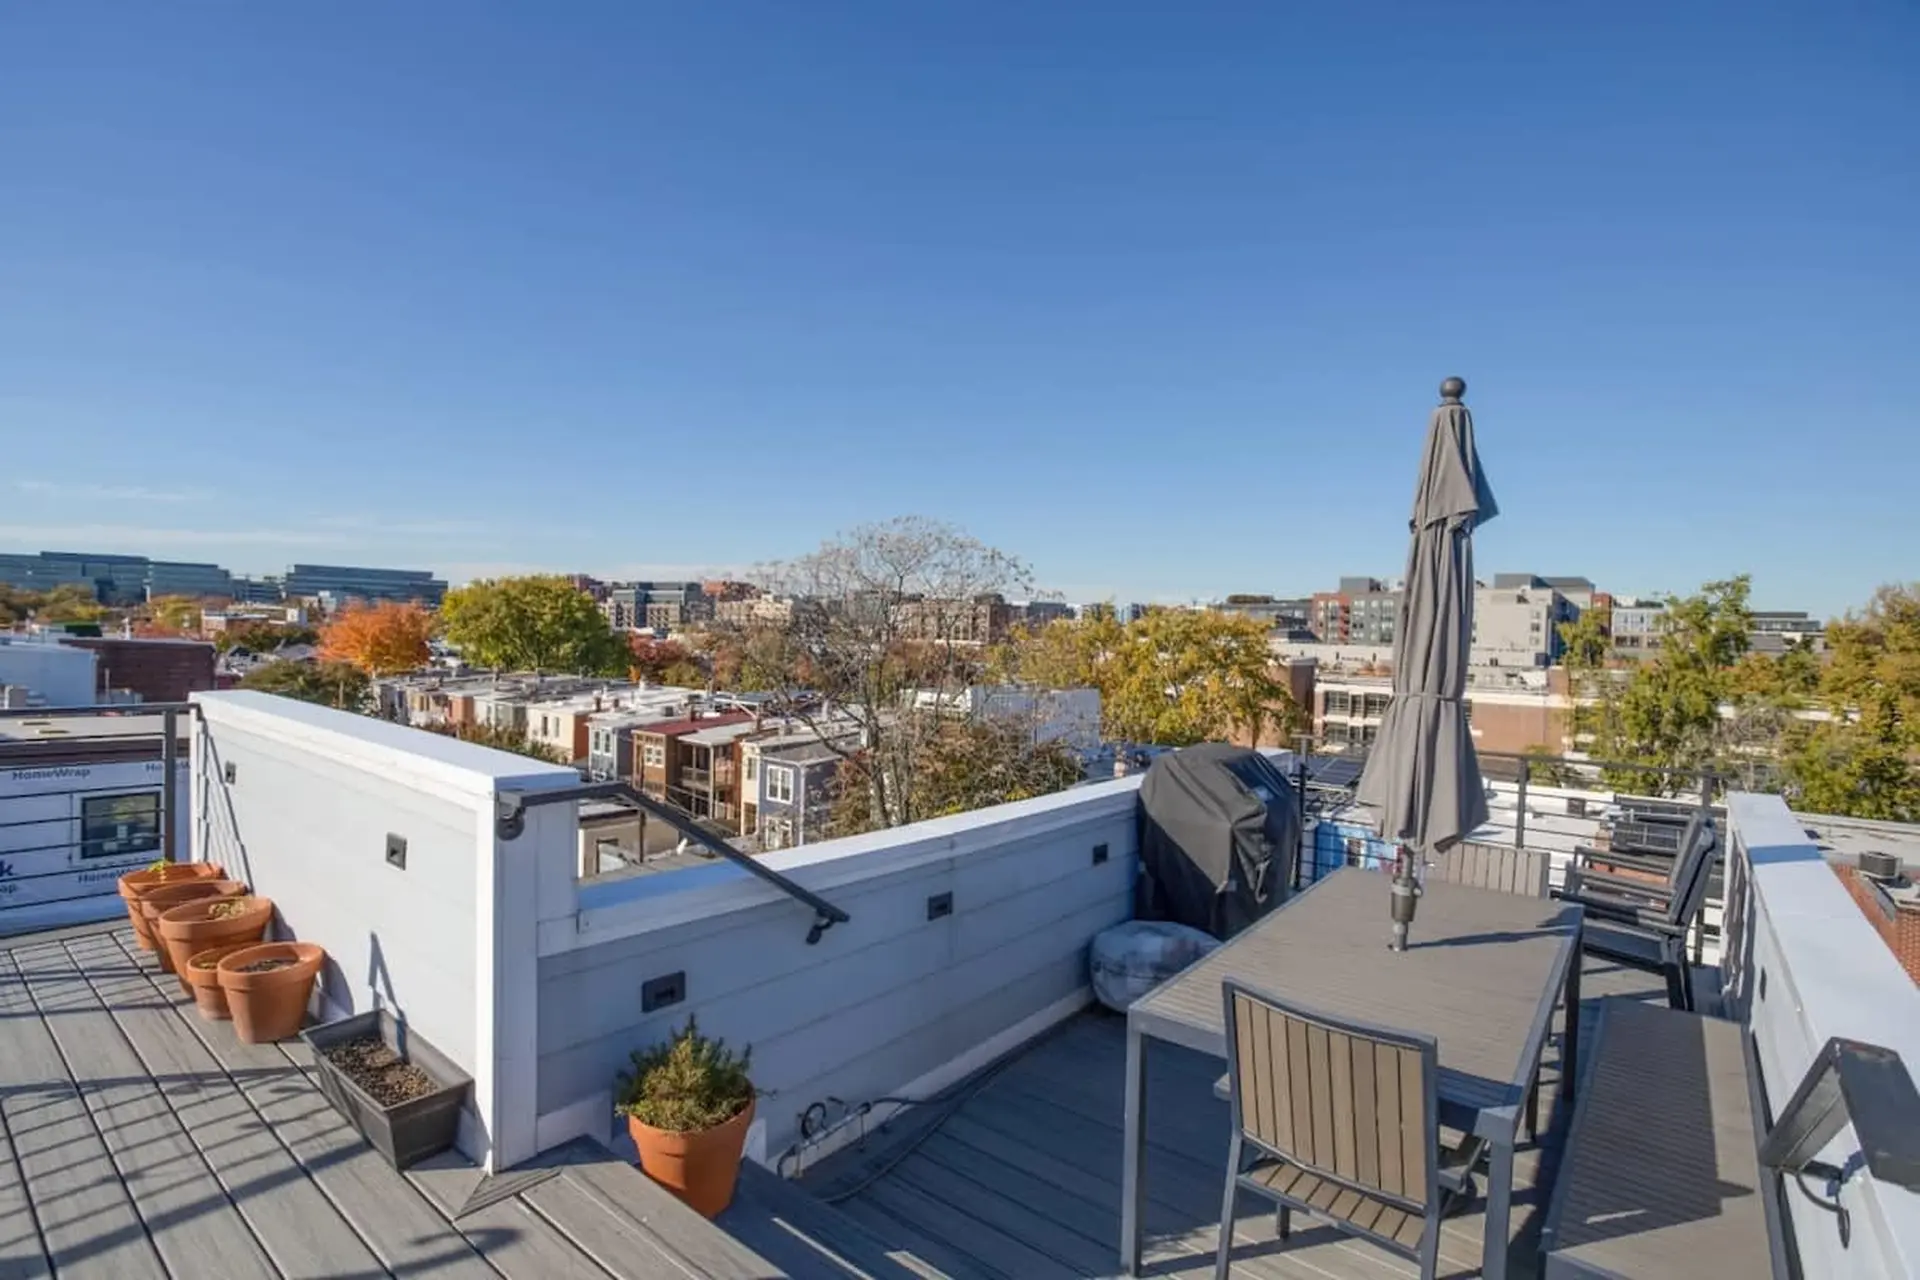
541,623
882,612
331,684
963,765
69,602
1172,676
666,662
381,639
171,616
264,637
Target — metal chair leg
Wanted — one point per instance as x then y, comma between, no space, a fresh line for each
1284,1221
1227,1204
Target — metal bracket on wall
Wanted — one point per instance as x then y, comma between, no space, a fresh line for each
510,821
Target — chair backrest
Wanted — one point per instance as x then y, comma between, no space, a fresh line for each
1690,887
1687,848
1353,1103
1493,866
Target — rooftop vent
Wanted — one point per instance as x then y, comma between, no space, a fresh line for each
1879,866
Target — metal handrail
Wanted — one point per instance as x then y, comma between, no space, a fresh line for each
510,821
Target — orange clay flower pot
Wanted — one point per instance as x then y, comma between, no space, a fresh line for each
700,1166
203,976
268,987
193,928
134,883
152,903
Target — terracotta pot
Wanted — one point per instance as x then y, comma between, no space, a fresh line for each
188,929
272,1004
699,1166
134,883
162,898
203,976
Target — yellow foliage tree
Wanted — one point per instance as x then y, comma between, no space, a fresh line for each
380,639
1171,676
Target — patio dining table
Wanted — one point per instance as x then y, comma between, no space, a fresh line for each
1481,974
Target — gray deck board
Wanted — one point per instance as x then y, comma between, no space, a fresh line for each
86,1217
1665,1171
771,1215
194,1225
141,1142
368,1198
1039,1137
287,1213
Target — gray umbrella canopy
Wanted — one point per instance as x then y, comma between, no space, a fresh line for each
1423,777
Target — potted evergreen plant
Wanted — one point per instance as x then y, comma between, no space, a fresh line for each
688,1104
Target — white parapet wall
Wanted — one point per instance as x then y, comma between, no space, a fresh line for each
967,935
1803,965
305,804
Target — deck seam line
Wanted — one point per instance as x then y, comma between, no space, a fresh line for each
13,1153
165,1101
86,1107
265,1124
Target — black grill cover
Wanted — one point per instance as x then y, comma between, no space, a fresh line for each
1219,830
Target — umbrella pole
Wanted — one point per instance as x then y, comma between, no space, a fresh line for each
1405,896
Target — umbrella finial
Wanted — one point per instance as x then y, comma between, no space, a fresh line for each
1452,389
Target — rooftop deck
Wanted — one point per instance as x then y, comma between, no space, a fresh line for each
1020,1177
141,1141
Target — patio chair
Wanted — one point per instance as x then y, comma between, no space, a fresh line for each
1647,928
1499,867
1342,1120
1686,830
1613,895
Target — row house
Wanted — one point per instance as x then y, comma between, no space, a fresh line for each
660,754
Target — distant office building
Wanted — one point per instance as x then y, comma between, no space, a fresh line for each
661,606
1637,624
1361,611
1275,614
267,590
114,579
1773,630
1038,613
1517,620
350,582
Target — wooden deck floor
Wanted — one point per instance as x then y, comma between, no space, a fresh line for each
1020,1179
140,1142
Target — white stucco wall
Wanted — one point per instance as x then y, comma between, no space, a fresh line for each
305,820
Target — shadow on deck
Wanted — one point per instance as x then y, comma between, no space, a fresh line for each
1018,1178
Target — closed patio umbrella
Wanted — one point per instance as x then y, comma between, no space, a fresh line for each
1423,778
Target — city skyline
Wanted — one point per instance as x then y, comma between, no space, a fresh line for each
640,572
1158,301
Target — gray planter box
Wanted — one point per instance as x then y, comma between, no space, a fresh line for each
411,1131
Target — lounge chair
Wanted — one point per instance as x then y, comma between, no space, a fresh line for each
1341,1120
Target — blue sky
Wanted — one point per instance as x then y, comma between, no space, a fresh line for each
1153,295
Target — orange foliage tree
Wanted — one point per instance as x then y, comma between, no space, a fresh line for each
379,639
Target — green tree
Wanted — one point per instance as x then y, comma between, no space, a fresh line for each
486,735
1863,759
331,684
532,624
1667,712
1587,640
16,605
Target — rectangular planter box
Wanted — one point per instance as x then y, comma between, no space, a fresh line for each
410,1132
